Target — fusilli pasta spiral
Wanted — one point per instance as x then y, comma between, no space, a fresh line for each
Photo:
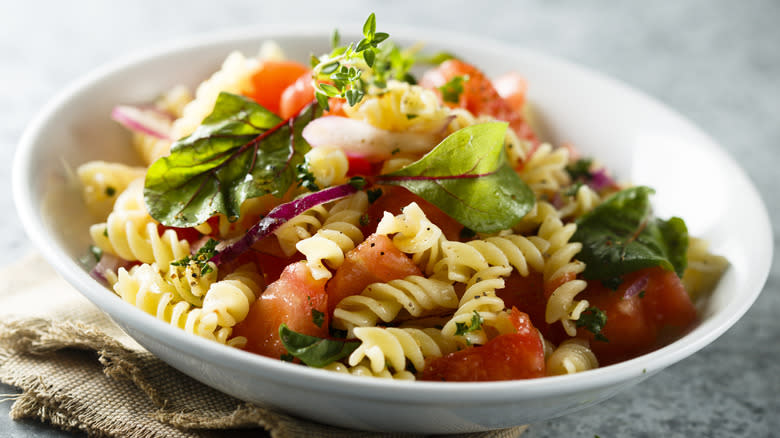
391,347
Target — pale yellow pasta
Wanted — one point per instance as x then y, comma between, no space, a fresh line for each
300,227
190,283
572,356
363,369
480,300
560,263
581,202
534,218
402,107
545,170
102,182
417,296
463,259
249,213
130,233
339,233
389,347
149,147
329,165
230,298
414,234
704,269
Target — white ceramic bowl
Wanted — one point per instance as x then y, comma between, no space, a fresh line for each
638,138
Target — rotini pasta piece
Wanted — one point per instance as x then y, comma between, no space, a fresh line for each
329,165
190,283
582,201
516,149
339,233
463,259
363,369
102,182
141,287
401,107
130,233
572,356
231,298
704,269
534,218
418,296
561,265
391,347
250,211
479,299
300,227
150,148
414,234
545,170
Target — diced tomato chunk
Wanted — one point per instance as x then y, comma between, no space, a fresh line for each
296,96
394,198
479,95
374,260
506,357
271,80
295,299
512,87
642,322
530,295
359,166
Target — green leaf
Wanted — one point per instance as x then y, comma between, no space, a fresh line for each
314,351
240,151
369,27
621,236
369,56
451,91
468,177
594,320
461,328
335,39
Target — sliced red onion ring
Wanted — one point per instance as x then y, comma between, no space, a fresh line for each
278,216
637,286
145,121
600,180
358,138
108,262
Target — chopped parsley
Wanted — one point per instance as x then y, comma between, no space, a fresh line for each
306,178
451,91
373,195
200,258
96,252
461,328
317,317
594,320
580,169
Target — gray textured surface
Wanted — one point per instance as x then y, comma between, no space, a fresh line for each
715,62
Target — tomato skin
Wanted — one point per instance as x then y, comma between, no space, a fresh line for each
359,166
375,260
530,295
479,95
296,96
640,323
512,87
292,300
506,357
394,198
271,80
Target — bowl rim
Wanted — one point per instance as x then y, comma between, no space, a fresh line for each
311,379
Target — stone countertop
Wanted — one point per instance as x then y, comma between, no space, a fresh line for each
714,62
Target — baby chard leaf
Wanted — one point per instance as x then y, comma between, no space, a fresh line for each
621,236
240,151
468,177
314,351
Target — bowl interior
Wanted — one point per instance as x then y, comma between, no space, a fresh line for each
639,139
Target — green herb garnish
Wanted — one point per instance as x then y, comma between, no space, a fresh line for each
96,252
314,351
621,236
461,328
468,177
306,178
200,258
373,195
317,317
240,151
451,91
594,320
580,169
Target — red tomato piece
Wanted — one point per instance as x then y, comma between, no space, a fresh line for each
530,295
394,198
271,80
374,260
479,95
295,299
512,87
189,234
640,323
506,357
296,96
359,166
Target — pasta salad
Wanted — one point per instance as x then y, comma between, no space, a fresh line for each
385,212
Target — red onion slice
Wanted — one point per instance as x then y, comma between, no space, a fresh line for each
108,263
358,138
600,180
637,286
145,121
278,216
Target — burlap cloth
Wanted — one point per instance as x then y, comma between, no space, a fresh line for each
78,371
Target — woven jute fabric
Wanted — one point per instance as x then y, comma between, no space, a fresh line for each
78,371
